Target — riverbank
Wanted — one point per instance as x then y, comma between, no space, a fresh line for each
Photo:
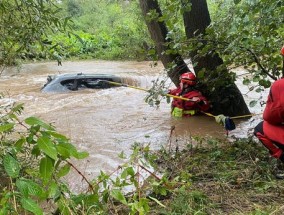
223,178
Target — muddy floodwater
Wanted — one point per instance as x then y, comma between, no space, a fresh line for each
105,122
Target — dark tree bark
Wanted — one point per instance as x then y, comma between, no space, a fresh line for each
158,32
228,99
196,21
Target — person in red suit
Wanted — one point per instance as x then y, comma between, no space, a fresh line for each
186,89
271,130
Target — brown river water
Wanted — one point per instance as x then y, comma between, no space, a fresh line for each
105,122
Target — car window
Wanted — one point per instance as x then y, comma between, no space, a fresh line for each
82,83
92,83
68,83
73,83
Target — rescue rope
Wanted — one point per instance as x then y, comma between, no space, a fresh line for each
244,116
138,88
226,121
235,117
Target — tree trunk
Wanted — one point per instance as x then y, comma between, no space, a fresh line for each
158,32
227,99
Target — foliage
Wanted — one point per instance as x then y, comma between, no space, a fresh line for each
250,34
243,33
25,25
45,34
118,32
34,157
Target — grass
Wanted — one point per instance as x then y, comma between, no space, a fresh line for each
223,178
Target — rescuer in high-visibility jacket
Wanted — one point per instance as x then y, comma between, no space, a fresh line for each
186,89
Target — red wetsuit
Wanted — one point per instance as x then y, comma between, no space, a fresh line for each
189,93
271,131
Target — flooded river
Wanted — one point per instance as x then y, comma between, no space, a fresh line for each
105,122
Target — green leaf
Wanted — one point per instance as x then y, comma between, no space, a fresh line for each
30,205
21,185
29,188
11,165
6,127
201,74
81,155
91,199
36,121
256,78
163,191
265,83
246,82
69,146
65,150
258,90
152,52
18,108
30,138
168,99
19,143
63,170
157,201
58,136
53,190
45,145
63,207
117,194
253,103
122,155
46,168
128,171
35,151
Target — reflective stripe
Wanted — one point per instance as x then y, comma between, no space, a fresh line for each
189,112
178,112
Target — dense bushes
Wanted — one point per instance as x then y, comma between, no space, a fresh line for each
117,33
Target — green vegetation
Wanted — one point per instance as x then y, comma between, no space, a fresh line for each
225,178
103,30
206,177
53,30
245,34
24,27
250,34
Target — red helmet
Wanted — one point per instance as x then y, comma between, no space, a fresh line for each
282,51
188,78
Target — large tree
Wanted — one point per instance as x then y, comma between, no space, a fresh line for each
158,31
226,99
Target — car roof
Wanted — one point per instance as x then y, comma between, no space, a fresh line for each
83,75
56,82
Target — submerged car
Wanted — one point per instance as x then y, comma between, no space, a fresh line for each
72,82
